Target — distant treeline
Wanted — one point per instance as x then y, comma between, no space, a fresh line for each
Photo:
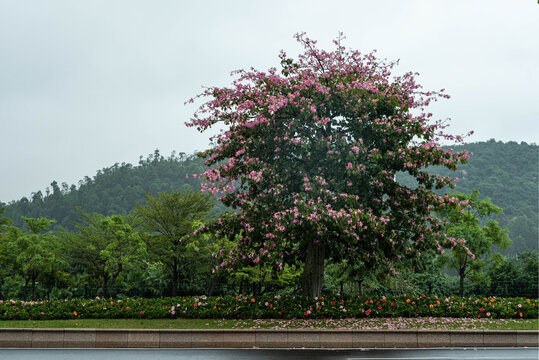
505,172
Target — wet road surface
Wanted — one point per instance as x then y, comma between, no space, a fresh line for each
265,354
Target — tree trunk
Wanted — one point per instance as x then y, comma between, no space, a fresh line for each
25,289
175,272
112,286
33,288
113,281
461,282
313,271
105,286
212,285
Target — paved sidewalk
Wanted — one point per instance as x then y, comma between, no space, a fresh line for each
247,338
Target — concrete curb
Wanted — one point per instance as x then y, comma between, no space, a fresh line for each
247,338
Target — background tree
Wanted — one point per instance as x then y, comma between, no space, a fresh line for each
259,278
515,276
32,252
170,219
5,256
4,220
106,246
474,241
309,160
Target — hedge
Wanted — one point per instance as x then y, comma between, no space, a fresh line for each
274,307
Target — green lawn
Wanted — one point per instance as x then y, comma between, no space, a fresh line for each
353,324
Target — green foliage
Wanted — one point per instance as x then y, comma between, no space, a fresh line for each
32,255
262,279
511,275
473,240
37,225
170,220
173,214
4,220
106,246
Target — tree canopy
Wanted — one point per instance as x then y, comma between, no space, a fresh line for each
31,254
170,219
309,159
108,246
473,239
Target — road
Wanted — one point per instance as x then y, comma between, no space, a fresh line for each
264,354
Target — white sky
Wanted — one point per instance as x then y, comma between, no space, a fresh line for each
86,84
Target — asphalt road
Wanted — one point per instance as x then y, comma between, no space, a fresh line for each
263,354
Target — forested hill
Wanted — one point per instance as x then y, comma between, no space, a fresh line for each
113,190
505,172
508,174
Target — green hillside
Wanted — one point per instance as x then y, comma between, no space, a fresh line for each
505,172
113,190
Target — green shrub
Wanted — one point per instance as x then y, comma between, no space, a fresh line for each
271,307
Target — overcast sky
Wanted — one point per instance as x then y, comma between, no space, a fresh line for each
86,84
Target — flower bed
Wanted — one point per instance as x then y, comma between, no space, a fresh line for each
270,307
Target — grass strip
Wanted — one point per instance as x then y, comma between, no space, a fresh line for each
345,324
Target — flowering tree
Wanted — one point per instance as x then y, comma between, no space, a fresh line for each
309,155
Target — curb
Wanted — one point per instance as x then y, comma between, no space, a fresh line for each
248,338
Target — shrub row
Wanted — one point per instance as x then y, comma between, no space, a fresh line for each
276,307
